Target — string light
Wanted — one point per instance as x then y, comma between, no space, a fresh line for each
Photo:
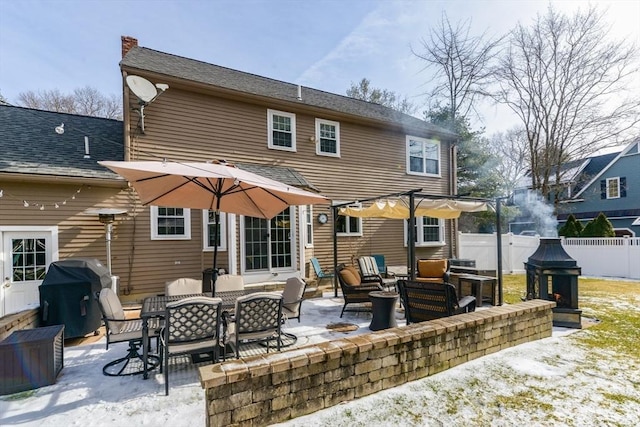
40,206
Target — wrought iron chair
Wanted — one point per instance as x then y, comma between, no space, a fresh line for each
120,329
183,286
257,318
320,273
192,326
355,288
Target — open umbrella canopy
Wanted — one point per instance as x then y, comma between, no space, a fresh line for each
399,209
217,186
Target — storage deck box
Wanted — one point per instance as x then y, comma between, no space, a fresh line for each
31,358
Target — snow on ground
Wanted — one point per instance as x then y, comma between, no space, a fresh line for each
553,381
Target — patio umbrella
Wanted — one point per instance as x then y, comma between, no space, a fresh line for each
216,186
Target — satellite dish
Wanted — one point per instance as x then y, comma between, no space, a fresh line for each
142,88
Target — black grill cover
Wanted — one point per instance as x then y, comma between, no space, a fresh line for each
67,295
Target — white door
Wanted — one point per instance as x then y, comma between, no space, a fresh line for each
26,256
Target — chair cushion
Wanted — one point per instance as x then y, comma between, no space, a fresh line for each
110,304
293,289
229,282
432,267
348,276
183,286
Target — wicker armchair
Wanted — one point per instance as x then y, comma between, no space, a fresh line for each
355,288
428,301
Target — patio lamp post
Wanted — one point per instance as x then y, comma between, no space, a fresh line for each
108,217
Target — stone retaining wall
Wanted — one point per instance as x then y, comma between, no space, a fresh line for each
276,387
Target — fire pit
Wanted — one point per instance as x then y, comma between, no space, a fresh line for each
553,275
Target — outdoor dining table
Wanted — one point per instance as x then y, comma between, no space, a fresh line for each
155,306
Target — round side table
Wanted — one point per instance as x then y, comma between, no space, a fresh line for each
383,307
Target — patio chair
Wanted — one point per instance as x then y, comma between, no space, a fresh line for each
120,329
192,326
355,288
380,261
320,273
183,286
432,271
427,301
228,282
292,296
369,269
257,318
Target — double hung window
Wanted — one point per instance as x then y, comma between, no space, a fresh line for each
327,138
282,130
170,223
210,225
423,156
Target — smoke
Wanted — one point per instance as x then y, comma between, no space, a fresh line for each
534,208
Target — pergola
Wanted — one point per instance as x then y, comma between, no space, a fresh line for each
408,205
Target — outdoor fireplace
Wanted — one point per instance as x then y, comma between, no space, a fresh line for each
553,275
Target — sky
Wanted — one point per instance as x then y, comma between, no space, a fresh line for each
323,44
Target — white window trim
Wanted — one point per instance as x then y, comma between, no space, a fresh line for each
419,242
270,114
410,138
154,226
337,126
306,218
360,224
617,180
205,232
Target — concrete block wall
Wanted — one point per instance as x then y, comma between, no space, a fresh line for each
276,387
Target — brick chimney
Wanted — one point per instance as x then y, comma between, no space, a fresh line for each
127,44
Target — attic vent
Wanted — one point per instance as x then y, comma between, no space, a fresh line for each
87,154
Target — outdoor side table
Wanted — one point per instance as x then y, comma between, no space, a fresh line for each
383,307
479,286
31,358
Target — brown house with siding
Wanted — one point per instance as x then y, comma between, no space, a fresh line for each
343,148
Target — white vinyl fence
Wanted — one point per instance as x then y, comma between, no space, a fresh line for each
599,257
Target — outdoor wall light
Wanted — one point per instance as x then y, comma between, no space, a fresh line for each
60,129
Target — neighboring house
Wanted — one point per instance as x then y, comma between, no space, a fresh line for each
609,184
48,181
344,148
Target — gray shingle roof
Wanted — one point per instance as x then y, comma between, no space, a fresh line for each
145,59
29,144
282,174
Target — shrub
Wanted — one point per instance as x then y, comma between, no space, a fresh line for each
598,227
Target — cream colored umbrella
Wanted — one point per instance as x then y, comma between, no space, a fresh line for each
217,186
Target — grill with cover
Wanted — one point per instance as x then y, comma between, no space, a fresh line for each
67,295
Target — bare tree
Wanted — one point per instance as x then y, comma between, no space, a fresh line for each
85,101
365,92
567,84
510,149
461,65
